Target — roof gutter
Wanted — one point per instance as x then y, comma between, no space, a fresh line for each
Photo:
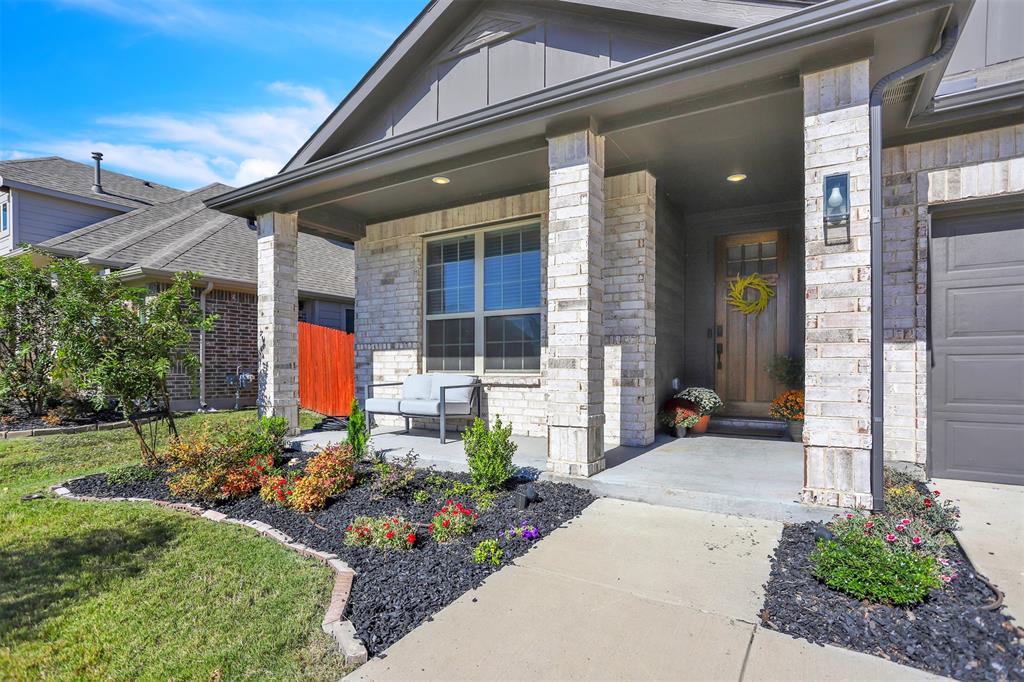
949,38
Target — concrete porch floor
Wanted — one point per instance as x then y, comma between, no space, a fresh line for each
746,477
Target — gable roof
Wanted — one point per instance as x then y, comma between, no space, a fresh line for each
70,177
435,24
183,235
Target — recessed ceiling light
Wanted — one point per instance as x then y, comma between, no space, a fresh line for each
440,180
736,177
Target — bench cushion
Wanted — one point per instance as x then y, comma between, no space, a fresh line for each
432,408
417,387
456,395
381,405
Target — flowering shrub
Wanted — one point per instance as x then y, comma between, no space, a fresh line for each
909,501
329,472
523,531
242,481
678,417
489,453
909,534
276,489
488,552
452,521
862,566
382,532
703,400
788,405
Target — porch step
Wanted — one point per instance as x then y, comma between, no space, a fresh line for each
750,427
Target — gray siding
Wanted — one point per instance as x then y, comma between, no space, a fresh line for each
41,217
507,51
669,299
990,49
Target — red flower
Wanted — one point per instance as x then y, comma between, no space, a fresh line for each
410,538
927,502
390,534
348,527
445,523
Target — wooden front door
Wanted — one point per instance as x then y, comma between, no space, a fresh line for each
746,344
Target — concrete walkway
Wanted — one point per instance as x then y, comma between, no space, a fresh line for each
747,477
992,534
627,591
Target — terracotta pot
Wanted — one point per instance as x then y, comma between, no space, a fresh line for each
702,425
680,431
796,431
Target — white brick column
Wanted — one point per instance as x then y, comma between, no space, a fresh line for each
837,431
575,377
278,319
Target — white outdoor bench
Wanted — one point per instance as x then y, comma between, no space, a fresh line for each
428,395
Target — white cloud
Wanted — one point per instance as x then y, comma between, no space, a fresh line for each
190,150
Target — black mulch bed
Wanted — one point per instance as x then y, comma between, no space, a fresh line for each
20,421
949,634
394,591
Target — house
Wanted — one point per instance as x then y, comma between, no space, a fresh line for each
556,196
44,197
148,245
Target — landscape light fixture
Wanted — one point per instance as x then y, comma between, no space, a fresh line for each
440,180
736,177
836,197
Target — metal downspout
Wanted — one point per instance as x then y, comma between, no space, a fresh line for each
202,350
949,37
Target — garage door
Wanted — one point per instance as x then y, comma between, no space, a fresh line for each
976,394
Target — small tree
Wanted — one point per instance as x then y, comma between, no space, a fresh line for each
118,342
28,322
357,434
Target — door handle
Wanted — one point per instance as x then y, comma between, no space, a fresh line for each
718,352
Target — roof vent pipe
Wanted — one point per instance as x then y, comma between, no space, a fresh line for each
949,37
97,184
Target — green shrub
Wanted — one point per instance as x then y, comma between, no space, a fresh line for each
489,453
382,532
421,497
436,481
130,473
488,551
482,498
265,437
391,478
787,370
863,567
357,433
906,533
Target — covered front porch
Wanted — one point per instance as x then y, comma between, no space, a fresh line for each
757,478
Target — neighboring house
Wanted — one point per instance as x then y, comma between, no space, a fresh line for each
148,245
44,197
556,196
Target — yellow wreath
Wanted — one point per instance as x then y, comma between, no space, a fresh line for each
737,290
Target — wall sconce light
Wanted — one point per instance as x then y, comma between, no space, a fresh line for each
837,209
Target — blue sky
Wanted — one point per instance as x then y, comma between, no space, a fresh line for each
183,92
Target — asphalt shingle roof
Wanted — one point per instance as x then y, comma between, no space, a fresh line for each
61,175
184,235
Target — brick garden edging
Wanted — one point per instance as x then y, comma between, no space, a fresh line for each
334,623
81,428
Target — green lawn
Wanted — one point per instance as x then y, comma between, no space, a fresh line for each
131,591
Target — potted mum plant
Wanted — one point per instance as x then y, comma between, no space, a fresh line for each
679,419
789,405
703,401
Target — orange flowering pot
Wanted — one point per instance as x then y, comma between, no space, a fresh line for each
702,425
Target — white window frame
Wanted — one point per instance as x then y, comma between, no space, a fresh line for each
5,219
478,313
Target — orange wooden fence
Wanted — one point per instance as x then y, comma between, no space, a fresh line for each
327,369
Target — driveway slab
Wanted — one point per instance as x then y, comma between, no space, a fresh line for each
710,562
992,533
774,656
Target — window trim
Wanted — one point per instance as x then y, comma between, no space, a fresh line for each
5,218
479,314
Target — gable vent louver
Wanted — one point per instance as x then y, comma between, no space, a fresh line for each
900,92
485,30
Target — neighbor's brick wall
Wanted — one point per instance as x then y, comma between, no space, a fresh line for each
837,430
915,176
